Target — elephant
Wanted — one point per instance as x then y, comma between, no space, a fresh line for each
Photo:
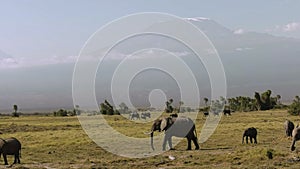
178,127
289,127
250,132
10,146
206,113
295,136
144,115
227,111
134,115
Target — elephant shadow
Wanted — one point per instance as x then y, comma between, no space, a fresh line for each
217,148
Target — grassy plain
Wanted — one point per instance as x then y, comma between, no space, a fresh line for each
60,142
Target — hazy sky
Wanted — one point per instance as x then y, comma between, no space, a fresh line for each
36,33
33,28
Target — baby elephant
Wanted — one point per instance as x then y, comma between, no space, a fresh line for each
227,111
252,133
10,146
289,127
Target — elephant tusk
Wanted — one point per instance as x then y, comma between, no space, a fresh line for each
148,133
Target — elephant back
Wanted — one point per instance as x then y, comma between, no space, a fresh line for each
181,126
250,132
11,146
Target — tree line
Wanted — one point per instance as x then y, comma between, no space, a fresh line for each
263,101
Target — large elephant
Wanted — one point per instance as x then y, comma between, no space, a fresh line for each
252,133
178,127
10,146
289,127
295,136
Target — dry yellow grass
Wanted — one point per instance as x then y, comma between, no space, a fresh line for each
60,142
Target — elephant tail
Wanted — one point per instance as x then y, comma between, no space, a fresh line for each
151,140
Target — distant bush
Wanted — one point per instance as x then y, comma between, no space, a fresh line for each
281,106
188,109
15,114
294,108
107,109
116,112
62,113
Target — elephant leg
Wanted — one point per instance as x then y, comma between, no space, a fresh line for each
255,141
5,159
189,143
195,141
251,140
16,157
170,143
164,143
293,145
246,139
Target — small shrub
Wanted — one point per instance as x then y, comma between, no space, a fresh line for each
294,108
60,112
15,114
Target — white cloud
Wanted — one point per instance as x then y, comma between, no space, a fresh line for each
243,49
10,62
239,31
290,27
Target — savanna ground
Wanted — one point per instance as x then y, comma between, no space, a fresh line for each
60,142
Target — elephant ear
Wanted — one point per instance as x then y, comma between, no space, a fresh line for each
163,124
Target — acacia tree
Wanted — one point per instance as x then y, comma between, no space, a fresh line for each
294,108
123,108
278,97
205,101
297,99
77,110
180,104
15,113
169,107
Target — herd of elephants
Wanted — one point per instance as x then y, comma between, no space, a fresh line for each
173,125
185,127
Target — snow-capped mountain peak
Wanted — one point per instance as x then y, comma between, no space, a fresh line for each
198,19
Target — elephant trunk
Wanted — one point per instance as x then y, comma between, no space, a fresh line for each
151,140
